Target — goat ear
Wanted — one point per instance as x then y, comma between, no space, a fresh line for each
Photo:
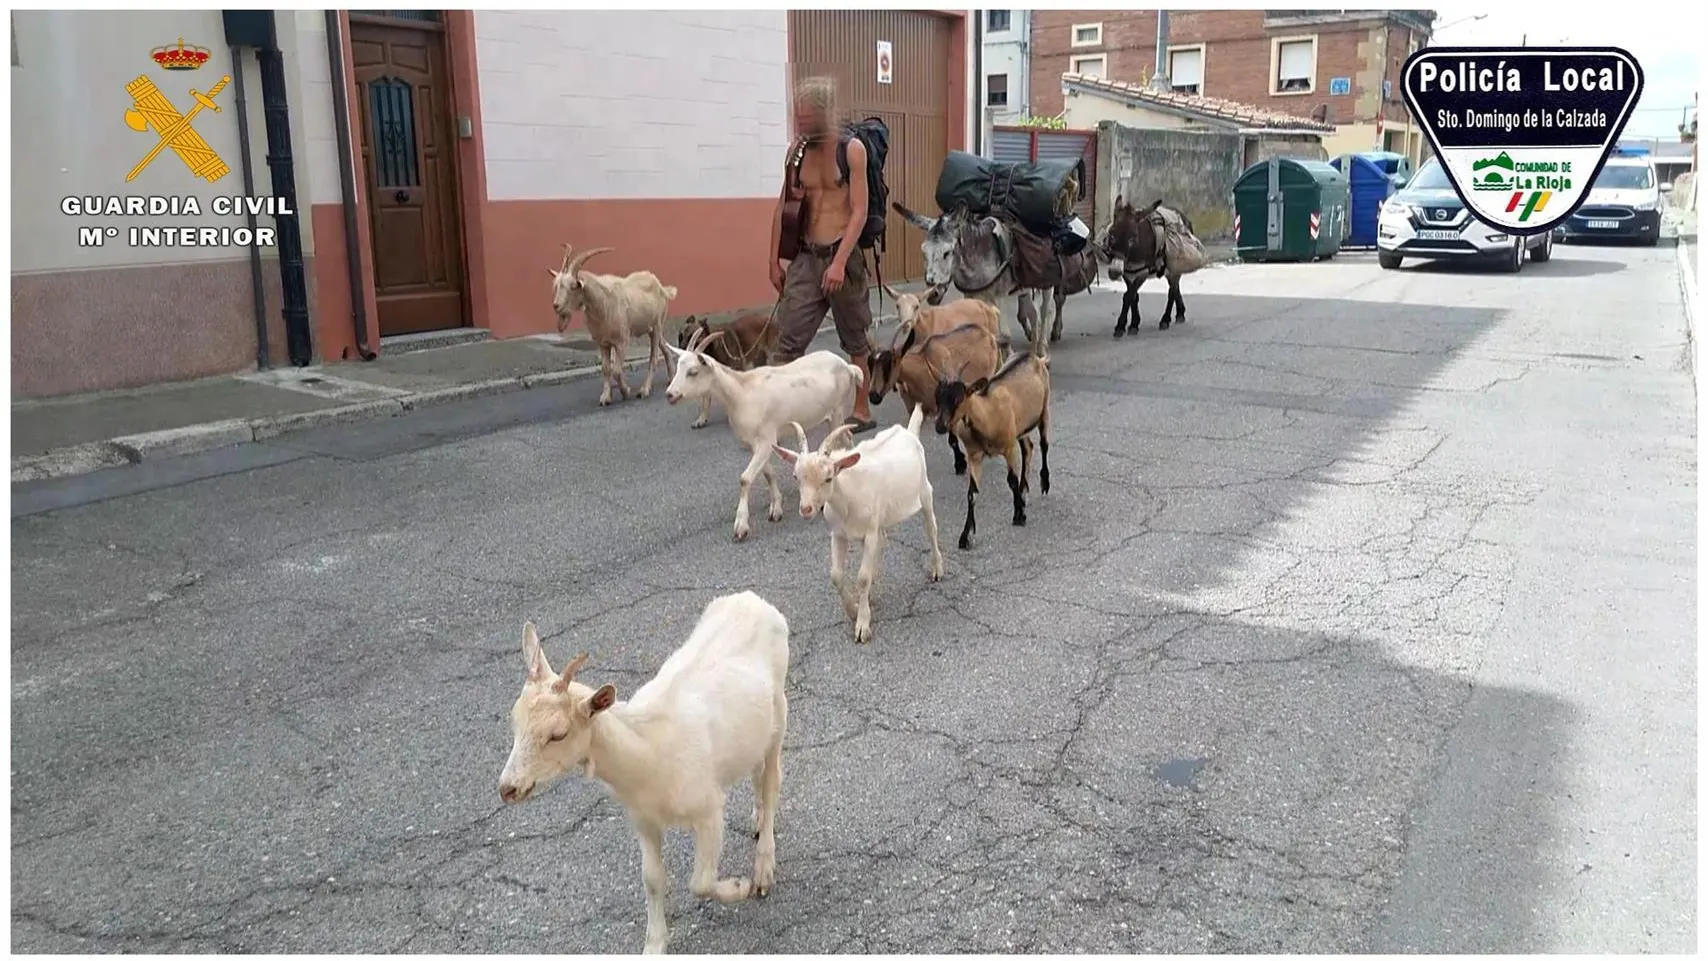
908,343
785,453
532,655
980,384
601,699
847,462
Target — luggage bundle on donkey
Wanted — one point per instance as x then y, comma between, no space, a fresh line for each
1035,199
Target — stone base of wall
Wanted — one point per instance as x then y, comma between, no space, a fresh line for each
84,330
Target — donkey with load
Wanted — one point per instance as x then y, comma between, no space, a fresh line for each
1009,228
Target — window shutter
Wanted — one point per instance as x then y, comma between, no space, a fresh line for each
1295,61
1186,68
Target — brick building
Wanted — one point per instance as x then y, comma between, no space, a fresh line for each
1338,66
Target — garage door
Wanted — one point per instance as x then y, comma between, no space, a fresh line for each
844,44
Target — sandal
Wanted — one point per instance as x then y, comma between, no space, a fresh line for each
860,426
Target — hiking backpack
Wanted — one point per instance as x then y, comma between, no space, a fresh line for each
875,135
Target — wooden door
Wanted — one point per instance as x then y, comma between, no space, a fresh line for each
408,158
914,105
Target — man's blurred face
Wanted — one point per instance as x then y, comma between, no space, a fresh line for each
810,122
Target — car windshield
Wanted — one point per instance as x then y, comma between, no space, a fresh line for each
1624,178
1430,177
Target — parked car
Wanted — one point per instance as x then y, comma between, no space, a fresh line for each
1624,203
1427,220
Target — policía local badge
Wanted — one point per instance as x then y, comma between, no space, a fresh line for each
1522,132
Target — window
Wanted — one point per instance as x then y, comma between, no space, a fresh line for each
1186,69
1087,34
1093,66
996,90
1431,177
391,104
996,21
1625,177
1294,64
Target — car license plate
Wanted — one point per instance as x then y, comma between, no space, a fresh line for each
1438,235
1604,224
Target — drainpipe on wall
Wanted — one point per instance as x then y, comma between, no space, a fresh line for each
1159,79
247,162
983,96
347,184
259,29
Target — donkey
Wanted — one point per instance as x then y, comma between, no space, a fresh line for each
977,256
1139,239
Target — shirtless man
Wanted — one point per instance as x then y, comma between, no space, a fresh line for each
828,272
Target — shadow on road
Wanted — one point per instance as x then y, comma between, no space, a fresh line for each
1190,707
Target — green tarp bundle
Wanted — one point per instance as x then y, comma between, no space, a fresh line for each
1032,193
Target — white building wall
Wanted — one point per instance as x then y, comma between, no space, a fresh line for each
1008,52
589,105
69,136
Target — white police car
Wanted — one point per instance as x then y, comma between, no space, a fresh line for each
1428,221
1624,203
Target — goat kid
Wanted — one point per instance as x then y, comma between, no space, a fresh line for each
864,493
618,309
993,418
814,389
914,369
713,715
741,344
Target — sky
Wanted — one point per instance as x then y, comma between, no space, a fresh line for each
1666,45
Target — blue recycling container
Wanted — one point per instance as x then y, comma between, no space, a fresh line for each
1369,185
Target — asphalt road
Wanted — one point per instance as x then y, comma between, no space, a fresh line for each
1360,617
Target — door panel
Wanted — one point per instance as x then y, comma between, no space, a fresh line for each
843,44
404,104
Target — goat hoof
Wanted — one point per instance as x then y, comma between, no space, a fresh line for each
774,515
1120,332
1163,325
1019,520
740,535
699,424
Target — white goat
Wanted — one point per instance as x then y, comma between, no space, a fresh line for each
863,494
713,715
814,389
618,309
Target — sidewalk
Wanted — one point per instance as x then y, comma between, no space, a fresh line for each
64,436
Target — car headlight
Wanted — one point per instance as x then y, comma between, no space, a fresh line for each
1645,205
1396,208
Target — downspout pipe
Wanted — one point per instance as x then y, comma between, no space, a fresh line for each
1159,79
981,95
276,106
347,184
262,359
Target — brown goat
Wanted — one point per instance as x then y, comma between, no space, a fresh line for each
992,417
741,344
938,318
914,369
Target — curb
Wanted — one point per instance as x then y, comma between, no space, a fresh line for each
1687,286
99,455
155,445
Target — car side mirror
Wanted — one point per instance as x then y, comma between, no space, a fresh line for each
1666,188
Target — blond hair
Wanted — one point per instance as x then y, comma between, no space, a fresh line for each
818,93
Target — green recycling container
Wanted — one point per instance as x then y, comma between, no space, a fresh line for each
1287,209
